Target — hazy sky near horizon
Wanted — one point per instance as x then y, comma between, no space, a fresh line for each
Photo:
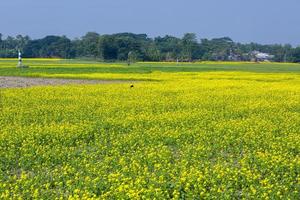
262,21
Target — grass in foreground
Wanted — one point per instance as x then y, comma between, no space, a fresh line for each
224,134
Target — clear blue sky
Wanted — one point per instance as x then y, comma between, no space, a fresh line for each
263,21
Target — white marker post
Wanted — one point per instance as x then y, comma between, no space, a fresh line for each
20,59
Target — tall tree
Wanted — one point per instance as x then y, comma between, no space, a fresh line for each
189,46
90,44
169,47
108,48
50,47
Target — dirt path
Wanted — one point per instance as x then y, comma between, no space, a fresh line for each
20,82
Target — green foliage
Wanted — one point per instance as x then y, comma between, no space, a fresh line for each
117,47
49,47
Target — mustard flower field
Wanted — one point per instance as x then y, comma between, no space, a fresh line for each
184,131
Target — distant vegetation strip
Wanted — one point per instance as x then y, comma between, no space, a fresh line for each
139,47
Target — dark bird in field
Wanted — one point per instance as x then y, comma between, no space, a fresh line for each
131,86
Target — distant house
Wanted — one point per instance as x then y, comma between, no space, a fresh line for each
260,56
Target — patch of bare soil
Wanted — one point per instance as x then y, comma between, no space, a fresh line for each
21,82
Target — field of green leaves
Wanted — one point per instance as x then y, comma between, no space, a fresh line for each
185,131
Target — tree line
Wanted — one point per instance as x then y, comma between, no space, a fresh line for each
140,47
